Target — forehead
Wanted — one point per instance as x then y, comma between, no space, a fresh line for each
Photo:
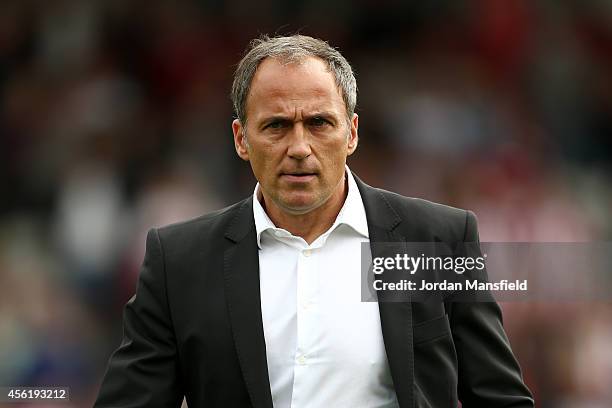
279,87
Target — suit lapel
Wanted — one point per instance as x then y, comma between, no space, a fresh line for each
395,317
241,269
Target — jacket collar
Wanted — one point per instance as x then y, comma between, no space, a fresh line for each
379,212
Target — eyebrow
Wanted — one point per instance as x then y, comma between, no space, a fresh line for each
282,118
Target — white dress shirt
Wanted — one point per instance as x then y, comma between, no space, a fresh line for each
324,346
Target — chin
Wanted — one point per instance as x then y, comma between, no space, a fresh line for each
299,209
300,206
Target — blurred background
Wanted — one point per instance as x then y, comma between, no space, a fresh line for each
115,117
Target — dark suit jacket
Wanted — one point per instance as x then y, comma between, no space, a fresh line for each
194,327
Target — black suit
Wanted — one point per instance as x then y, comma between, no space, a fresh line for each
194,327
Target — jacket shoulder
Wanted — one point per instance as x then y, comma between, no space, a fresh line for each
443,221
183,236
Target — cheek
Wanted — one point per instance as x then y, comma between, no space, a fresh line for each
263,162
333,165
259,165
335,154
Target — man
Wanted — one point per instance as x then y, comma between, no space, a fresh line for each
258,305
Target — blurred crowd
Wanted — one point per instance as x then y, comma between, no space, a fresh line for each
115,117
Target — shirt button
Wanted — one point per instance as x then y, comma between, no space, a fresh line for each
305,305
307,252
301,360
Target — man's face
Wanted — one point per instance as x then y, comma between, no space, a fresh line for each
297,134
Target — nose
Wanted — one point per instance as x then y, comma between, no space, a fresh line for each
299,142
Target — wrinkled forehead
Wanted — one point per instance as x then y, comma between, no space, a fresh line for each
281,85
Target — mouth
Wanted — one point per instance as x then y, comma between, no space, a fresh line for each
298,176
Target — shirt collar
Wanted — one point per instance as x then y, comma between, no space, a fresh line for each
351,214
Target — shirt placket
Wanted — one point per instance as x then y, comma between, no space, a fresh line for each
306,325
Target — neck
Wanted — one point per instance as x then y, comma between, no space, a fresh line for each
313,224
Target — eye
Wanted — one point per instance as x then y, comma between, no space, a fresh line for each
276,124
319,121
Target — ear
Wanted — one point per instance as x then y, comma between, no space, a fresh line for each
240,142
353,136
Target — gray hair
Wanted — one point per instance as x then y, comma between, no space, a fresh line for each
292,49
